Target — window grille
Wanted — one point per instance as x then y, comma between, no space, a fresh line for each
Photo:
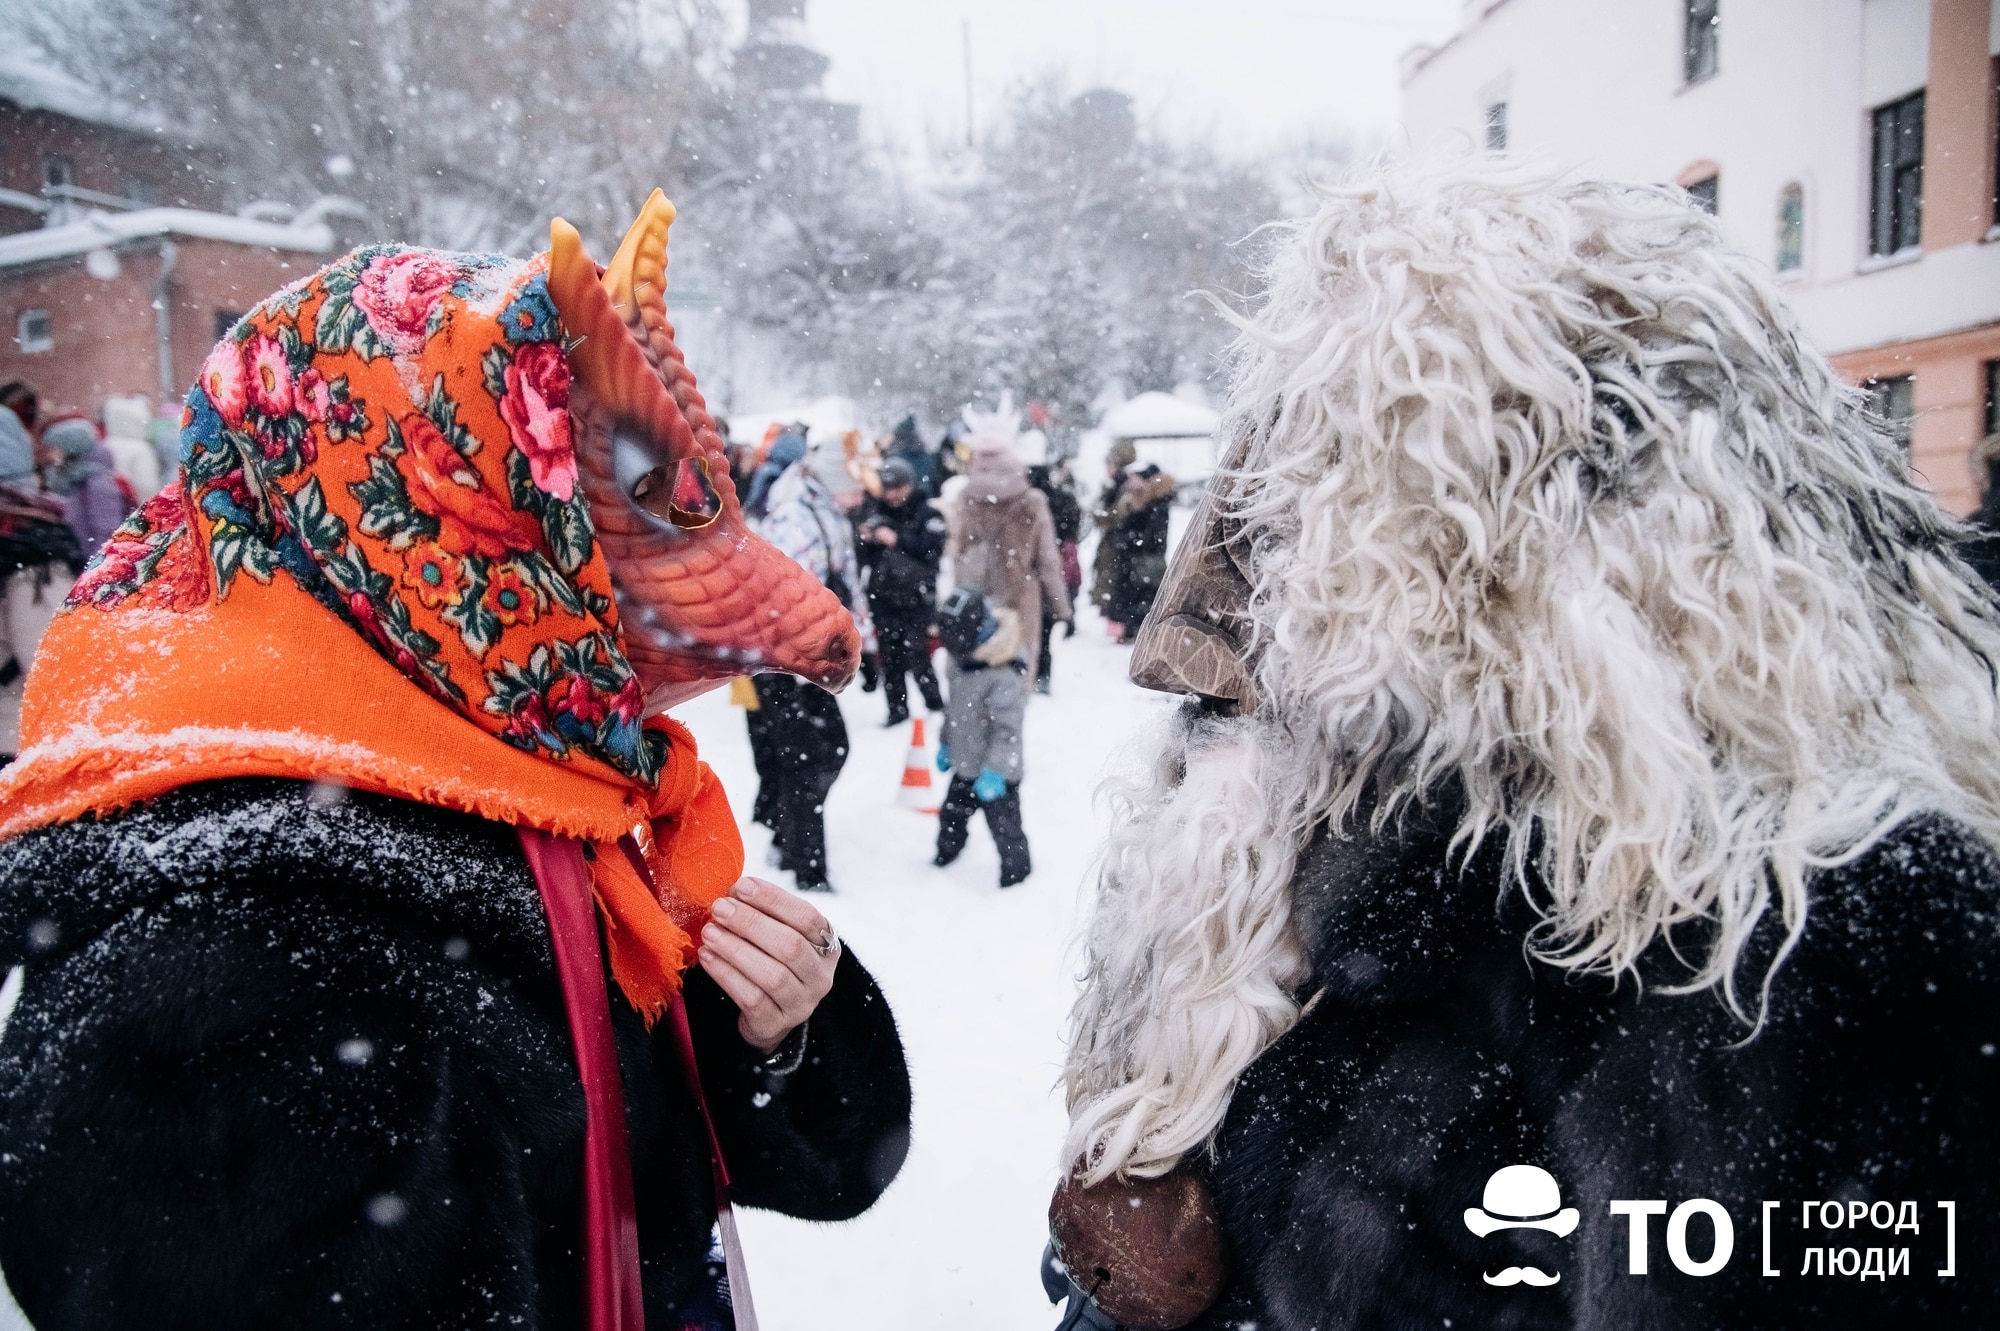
1897,195
1791,228
1894,401
1702,34
1706,193
35,331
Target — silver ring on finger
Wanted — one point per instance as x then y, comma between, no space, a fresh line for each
827,943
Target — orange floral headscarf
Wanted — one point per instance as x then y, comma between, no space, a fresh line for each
377,567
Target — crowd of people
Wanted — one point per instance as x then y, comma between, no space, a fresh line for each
967,549
63,491
988,509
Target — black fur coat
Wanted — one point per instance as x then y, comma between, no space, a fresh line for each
1436,1053
291,1057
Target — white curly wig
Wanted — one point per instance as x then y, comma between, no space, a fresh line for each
1546,499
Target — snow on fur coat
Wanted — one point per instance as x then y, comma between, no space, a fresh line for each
335,1087
1436,1053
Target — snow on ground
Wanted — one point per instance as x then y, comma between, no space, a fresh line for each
980,981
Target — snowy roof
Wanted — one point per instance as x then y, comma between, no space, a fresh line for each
1159,416
26,77
826,419
99,230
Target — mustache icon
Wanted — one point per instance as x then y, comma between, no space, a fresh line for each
1522,1275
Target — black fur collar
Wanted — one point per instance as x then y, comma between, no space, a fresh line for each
1385,916
61,886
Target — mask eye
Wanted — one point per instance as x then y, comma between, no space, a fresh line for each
688,500
631,462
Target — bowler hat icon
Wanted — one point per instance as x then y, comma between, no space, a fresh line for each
1521,1197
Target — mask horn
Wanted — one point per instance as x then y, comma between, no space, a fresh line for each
636,277
602,353
636,281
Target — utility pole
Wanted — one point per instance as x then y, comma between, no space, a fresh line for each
965,30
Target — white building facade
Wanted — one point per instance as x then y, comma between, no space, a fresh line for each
1850,144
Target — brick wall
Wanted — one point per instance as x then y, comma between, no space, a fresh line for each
104,331
105,159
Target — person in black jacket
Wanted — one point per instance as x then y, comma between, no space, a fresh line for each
902,539
369,1113
382,961
1570,896
1619,1092
1141,515
1066,512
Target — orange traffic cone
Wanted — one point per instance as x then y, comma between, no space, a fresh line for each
919,789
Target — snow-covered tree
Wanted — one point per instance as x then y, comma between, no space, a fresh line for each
1060,254
1066,254
458,123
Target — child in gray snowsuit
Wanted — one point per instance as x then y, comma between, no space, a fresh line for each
981,744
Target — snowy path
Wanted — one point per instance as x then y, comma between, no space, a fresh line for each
980,981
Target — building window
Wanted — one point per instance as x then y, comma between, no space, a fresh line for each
35,331
1993,397
1791,228
226,321
1894,402
139,190
1702,33
58,172
1704,192
1897,195
1496,128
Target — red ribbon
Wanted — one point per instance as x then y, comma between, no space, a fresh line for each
612,1299
612,1295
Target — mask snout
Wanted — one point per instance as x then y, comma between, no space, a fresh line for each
701,597
1196,639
